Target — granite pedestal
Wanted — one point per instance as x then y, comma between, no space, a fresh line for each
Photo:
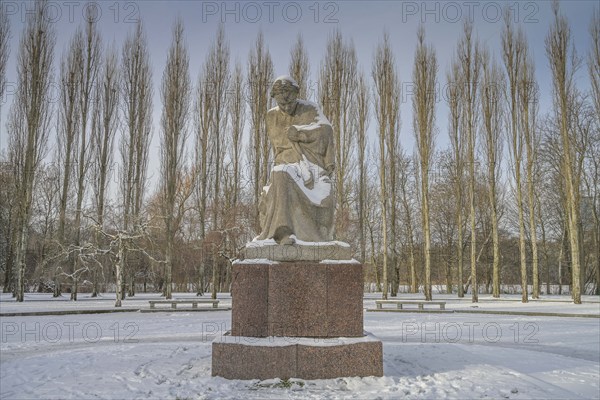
298,299
301,319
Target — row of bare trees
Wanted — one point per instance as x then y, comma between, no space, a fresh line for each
528,218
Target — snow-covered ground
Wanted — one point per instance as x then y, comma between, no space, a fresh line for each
168,354
550,304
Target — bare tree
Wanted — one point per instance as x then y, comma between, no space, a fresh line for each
337,88
514,53
136,84
8,208
116,244
405,173
260,77
594,59
217,65
563,64
423,103
29,122
492,108
457,139
585,124
553,196
362,124
387,111
175,93
299,66
528,106
104,127
594,71
6,214
373,215
4,48
443,216
136,95
234,206
394,148
68,125
217,68
204,153
237,118
469,56
88,72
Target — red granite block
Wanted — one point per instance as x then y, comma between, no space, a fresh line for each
344,300
249,292
243,361
327,362
303,299
297,300
262,358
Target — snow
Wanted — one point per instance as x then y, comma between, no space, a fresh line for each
255,261
271,242
168,354
289,79
310,127
352,261
304,172
260,243
281,341
333,242
320,118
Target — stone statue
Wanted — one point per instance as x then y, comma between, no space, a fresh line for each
299,200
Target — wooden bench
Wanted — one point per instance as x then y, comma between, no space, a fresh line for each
400,303
193,302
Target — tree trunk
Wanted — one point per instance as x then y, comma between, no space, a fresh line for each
21,262
215,276
119,271
561,56
169,266
475,290
459,250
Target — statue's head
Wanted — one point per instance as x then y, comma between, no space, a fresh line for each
285,92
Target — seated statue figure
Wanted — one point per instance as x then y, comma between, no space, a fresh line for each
299,200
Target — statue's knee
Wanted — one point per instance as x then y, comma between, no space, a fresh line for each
282,233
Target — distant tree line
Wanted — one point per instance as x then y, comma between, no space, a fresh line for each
512,201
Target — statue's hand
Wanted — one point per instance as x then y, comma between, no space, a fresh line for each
293,134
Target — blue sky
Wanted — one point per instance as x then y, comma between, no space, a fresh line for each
362,21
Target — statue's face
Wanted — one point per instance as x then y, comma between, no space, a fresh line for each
286,100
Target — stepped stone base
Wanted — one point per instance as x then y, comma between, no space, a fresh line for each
237,357
297,299
300,319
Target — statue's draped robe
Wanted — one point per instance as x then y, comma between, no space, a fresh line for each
300,192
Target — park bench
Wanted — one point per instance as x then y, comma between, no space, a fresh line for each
401,303
193,302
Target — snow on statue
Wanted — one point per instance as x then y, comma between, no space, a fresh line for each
298,202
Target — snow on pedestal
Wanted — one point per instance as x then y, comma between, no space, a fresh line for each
300,251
